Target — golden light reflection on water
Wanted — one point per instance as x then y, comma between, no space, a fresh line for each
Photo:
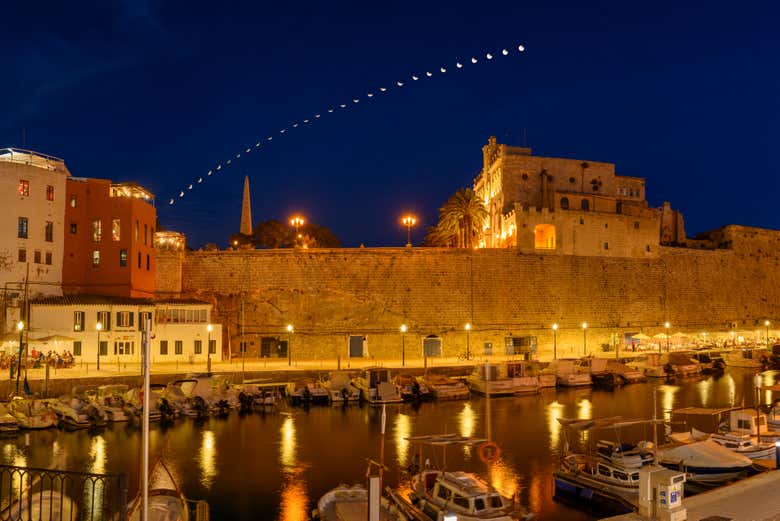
288,447
553,412
467,421
703,388
97,455
402,430
732,389
667,400
535,491
504,478
294,501
585,412
207,459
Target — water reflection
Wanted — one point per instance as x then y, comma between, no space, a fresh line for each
402,430
585,412
703,388
288,446
467,422
294,501
97,454
732,389
667,400
207,459
554,411
504,478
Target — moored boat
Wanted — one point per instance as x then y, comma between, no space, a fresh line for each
32,414
340,389
444,387
567,373
628,374
704,462
748,358
412,390
376,386
166,500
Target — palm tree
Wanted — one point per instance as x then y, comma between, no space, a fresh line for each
462,217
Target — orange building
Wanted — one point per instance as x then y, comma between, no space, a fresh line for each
109,239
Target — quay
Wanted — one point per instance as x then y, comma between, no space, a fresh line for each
752,499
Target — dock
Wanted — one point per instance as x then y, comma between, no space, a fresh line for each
752,499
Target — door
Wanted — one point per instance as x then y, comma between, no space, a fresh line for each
266,345
357,346
281,349
432,345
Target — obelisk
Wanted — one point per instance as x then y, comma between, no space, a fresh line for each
246,210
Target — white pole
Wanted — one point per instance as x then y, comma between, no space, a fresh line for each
145,426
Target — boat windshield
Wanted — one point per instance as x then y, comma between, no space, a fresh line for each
495,501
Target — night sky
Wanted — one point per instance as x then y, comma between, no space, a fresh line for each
161,92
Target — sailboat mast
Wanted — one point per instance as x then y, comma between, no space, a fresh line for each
145,424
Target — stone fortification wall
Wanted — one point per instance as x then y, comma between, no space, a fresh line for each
329,295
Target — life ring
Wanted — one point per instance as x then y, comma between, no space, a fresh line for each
489,452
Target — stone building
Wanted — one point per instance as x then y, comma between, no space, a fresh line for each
568,206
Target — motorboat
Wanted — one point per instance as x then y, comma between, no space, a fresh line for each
9,425
704,462
340,389
112,399
626,455
412,390
32,414
506,379
178,396
257,394
75,412
133,399
599,374
166,500
525,376
350,503
748,358
654,366
307,392
629,375
376,387
568,374
682,365
710,362
738,442
444,387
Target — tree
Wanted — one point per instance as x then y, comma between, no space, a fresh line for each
242,241
273,234
437,236
320,236
460,220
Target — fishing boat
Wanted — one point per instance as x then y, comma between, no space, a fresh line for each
444,387
412,390
376,387
704,462
308,391
568,374
340,389
600,375
253,394
507,379
76,412
682,365
748,358
628,374
740,443
31,413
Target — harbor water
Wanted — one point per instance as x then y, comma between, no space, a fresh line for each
275,465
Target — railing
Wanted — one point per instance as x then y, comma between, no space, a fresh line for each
30,157
31,494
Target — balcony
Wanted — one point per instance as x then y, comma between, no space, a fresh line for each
31,158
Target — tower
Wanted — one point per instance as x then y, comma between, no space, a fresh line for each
246,210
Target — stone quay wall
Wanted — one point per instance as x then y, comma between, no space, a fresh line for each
330,295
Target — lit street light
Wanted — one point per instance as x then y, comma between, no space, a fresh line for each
468,341
296,221
666,326
289,343
408,221
99,327
403,344
555,341
209,327
585,338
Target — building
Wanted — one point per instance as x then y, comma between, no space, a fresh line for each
180,329
110,239
568,206
32,193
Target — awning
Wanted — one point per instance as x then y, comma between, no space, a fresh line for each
640,336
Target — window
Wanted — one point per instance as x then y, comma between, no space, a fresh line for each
148,262
122,258
146,233
116,228
78,320
37,257
444,493
49,193
136,233
97,230
606,225
460,501
525,177
564,203
582,221
73,228
77,348
620,475
143,316
124,318
124,348
139,260
73,201
22,255
104,317
604,471
21,231
198,347
212,346
178,347
606,245
544,237
479,504
103,348
619,207
357,346
585,204
24,188
48,258
182,316
572,180
495,501
163,347
95,258
647,247
636,225
242,347
49,233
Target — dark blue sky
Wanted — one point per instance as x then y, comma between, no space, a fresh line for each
159,93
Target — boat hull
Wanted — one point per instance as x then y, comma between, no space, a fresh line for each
597,497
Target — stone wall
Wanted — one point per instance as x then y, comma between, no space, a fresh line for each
328,295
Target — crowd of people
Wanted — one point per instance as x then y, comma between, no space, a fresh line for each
37,359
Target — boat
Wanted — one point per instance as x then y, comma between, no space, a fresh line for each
308,391
682,365
376,387
654,366
166,500
350,503
9,425
412,390
568,374
76,412
629,375
749,358
711,362
436,494
501,380
626,455
727,419
738,442
444,387
134,401
253,394
600,375
32,414
112,399
340,389
704,462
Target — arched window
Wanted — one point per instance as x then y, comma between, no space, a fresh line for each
564,203
544,237
585,204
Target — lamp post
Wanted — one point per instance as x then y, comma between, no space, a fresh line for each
766,325
20,327
99,327
296,221
209,327
289,344
585,338
409,220
666,326
555,341
403,344
468,340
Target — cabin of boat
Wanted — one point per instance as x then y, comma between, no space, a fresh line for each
445,388
411,388
628,374
747,358
501,380
568,374
340,389
681,364
376,386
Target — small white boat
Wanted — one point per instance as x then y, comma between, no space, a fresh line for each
376,386
747,358
307,392
568,374
502,379
112,399
340,389
444,387
166,501
704,462
32,414
412,389
628,374
350,503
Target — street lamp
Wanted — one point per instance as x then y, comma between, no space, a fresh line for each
289,343
468,341
766,325
296,221
666,326
403,344
585,338
20,327
555,341
408,220
209,327
99,327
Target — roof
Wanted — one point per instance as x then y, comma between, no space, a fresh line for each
97,300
